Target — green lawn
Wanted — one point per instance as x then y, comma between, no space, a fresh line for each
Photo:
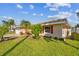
39,47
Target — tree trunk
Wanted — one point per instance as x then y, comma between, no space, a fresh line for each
2,38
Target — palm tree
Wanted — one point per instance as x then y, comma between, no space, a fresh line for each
25,24
10,23
4,27
77,13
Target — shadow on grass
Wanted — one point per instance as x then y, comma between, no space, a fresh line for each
48,39
8,38
71,45
4,54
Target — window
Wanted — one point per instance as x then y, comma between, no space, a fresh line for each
47,29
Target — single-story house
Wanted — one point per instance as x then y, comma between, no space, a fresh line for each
56,28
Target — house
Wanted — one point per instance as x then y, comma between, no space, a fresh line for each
73,29
17,29
12,28
56,28
77,30
22,31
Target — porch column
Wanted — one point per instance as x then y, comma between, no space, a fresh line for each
42,29
51,29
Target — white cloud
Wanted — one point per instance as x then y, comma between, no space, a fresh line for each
53,9
77,10
31,6
19,6
7,17
62,5
67,14
50,16
4,16
48,5
61,15
34,14
41,14
24,12
55,6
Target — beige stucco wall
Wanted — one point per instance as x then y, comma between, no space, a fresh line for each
64,32
69,32
57,31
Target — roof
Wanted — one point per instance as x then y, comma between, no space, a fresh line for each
59,21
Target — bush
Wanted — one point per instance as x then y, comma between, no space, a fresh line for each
75,36
61,39
55,38
72,37
36,29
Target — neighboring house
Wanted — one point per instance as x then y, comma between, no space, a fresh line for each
77,30
56,28
73,29
12,28
22,31
19,30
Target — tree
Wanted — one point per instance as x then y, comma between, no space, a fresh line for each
36,29
3,31
77,25
25,24
9,22
4,27
77,13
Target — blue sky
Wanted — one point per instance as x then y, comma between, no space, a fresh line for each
39,12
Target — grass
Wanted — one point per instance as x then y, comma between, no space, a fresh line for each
6,45
40,47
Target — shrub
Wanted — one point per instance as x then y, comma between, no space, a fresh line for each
55,38
61,39
36,29
75,36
